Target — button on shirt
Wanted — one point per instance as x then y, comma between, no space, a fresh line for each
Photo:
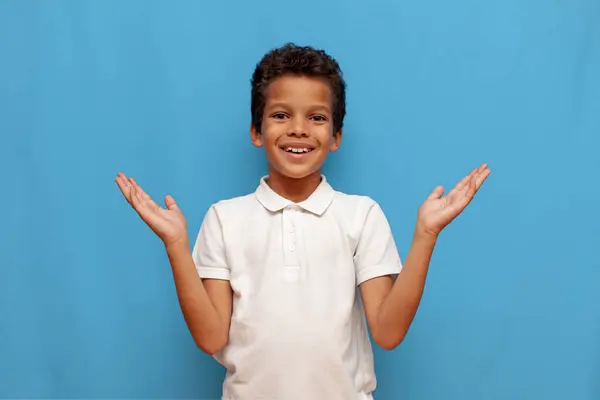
298,328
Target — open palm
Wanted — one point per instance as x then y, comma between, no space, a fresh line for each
169,224
436,211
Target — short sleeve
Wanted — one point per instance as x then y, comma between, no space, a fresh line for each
376,253
209,250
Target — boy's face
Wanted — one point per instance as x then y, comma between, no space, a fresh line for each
297,129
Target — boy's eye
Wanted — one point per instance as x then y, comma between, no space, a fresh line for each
279,116
319,118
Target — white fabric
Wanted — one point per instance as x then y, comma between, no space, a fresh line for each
298,329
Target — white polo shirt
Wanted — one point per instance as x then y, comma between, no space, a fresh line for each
298,328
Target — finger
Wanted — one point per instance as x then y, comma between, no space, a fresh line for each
134,196
141,206
471,187
170,203
436,194
144,198
119,179
470,192
122,185
481,177
122,177
463,182
139,190
125,187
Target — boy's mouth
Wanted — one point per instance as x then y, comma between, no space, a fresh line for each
297,150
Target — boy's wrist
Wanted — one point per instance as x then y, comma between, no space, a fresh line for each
422,234
176,245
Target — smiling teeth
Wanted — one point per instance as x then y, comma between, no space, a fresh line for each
294,150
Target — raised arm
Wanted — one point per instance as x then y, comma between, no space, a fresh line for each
205,304
390,306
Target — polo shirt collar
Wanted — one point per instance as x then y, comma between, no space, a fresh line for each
316,203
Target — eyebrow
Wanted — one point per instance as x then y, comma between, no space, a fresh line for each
281,104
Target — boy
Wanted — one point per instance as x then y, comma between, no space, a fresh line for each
281,284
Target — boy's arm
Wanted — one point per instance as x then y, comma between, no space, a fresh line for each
205,304
390,306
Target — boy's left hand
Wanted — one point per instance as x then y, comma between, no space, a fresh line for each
437,211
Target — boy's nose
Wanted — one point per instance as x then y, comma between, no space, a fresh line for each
299,128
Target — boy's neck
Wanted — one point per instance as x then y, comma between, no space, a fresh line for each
296,190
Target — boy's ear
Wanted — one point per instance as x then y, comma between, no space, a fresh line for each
336,141
255,136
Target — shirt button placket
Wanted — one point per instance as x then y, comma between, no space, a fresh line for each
290,238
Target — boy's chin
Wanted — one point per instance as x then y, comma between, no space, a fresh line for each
298,173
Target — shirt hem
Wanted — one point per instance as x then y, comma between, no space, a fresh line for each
377,271
213,273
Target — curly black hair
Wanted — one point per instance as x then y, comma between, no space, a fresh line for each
291,59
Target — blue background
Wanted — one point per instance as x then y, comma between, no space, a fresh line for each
160,90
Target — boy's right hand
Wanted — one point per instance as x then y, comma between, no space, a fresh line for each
169,224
